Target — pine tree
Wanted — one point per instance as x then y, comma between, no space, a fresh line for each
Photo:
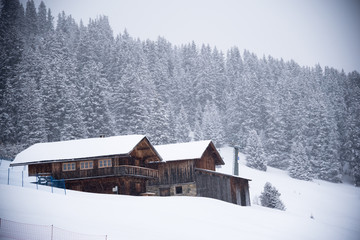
159,123
255,154
300,167
11,49
31,22
351,142
212,127
270,198
31,123
58,77
98,119
204,83
182,127
233,116
190,62
232,120
42,19
325,145
50,21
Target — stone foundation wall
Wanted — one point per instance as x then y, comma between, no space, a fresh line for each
187,189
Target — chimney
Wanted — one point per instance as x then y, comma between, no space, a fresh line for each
236,161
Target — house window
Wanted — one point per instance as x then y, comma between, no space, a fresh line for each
105,163
86,165
69,167
179,190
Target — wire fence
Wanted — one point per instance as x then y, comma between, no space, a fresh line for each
10,230
18,176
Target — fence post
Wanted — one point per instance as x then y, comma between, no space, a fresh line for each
52,232
52,184
64,186
8,176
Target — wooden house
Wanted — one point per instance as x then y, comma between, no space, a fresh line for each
131,165
189,169
94,165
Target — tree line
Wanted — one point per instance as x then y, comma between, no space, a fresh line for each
70,80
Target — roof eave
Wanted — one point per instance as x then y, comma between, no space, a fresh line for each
64,160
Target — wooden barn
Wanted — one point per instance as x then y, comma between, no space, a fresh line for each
189,169
94,165
131,165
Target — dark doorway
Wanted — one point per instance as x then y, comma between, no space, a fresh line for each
179,190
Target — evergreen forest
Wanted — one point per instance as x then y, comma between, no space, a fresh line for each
62,80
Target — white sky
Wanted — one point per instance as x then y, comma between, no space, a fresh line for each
308,31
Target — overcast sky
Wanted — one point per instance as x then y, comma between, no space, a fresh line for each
308,31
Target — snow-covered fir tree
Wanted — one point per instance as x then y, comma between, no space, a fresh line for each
270,197
255,157
212,127
182,128
300,166
158,128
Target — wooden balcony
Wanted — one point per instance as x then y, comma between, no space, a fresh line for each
135,171
118,171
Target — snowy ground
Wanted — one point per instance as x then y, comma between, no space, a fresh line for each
335,208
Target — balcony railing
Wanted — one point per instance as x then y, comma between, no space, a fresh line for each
135,171
123,170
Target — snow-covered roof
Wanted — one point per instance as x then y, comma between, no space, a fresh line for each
183,151
74,149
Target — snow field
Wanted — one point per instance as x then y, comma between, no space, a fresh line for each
335,208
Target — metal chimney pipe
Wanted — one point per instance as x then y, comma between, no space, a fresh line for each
236,161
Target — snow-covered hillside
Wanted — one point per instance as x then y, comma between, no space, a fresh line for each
335,208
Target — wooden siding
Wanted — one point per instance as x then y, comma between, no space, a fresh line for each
44,168
240,191
223,187
174,172
213,185
207,160
144,153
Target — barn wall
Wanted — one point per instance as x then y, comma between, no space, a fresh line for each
223,187
247,192
213,185
175,172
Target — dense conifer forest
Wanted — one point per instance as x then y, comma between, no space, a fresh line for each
61,80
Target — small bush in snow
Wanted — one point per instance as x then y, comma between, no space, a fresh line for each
270,198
